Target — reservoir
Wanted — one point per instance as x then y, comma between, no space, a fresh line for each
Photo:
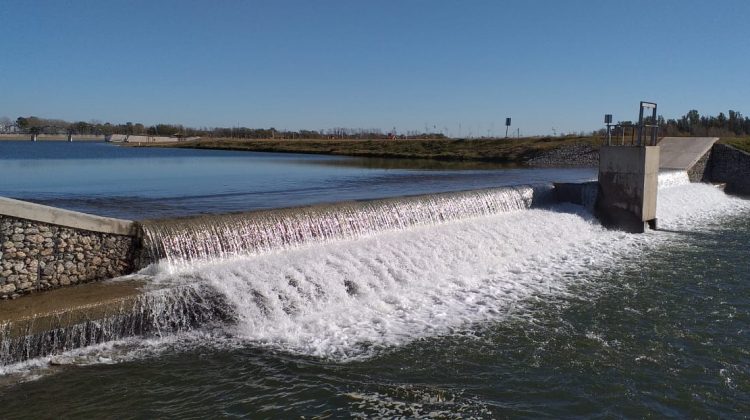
521,312
146,183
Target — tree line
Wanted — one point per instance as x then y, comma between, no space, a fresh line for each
37,125
733,124
692,123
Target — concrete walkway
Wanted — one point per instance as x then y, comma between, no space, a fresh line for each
683,152
66,218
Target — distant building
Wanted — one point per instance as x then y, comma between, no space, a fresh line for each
9,128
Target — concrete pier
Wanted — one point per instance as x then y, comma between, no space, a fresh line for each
628,186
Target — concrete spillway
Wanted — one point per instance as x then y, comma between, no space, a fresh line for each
682,153
220,236
66,319
71,318
47,248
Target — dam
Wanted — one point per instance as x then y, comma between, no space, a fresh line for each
354,287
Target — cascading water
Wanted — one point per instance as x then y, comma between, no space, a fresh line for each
214,237
383,272
154,313
347,298
673,178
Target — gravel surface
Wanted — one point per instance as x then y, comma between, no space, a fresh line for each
575,155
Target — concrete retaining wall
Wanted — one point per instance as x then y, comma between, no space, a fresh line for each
732,166
68,218
43,247
584,193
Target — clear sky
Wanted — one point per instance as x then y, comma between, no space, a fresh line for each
373,64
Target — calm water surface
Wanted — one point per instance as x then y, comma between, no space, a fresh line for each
143,183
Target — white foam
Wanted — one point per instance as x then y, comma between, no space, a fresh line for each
185,242
350,298
346,299
671,178
690,206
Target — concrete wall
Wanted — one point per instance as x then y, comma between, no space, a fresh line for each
732,166
43,247
628,185
584,194
62,217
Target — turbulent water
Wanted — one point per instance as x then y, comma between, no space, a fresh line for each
209,238
486,313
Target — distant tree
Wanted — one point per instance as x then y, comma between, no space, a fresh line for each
721,120
23,123
139,129
693,119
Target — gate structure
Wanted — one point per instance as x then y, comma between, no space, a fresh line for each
653,125
628,178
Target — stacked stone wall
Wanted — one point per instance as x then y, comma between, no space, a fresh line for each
699,171
731,166
38,256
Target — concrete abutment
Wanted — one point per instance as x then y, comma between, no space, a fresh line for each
628,186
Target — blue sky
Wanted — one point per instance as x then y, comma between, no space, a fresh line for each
376,64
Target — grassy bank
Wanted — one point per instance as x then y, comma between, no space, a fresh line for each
742,143
482,150
488,150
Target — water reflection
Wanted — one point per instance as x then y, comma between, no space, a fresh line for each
414,164
148,183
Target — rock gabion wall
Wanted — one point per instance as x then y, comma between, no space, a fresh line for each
732,166
699,171
38,256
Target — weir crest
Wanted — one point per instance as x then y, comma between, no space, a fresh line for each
208,238
329,299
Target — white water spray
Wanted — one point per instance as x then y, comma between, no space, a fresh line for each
210,238
348,298
423,269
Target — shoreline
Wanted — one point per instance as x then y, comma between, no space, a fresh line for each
543,151
50,137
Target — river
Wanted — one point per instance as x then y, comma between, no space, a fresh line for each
524,313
